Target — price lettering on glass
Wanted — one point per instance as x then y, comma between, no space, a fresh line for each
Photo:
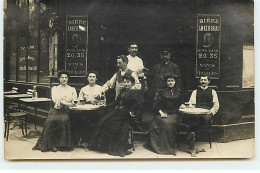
208,55
77,55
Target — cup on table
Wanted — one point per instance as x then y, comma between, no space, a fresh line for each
75,102
82,102
190,105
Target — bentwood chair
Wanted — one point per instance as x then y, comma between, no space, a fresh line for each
12,115
133,132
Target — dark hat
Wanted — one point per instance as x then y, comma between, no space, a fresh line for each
165,51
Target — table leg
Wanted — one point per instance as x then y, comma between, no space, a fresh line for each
35,115
191,140
34,133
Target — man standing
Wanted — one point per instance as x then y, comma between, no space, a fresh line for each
162,69
136,64
116,81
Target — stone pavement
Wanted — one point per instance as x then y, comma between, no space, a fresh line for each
18,147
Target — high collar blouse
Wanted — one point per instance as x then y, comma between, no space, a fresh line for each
167,100
65,93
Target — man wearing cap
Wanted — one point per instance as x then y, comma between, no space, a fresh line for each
163,68
116,81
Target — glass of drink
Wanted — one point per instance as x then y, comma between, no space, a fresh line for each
75,102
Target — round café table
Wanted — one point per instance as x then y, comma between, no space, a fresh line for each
85,107
81,115
10,92
190,112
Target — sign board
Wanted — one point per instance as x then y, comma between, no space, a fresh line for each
208,45
76,45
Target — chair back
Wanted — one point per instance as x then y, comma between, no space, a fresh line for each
15,89
30,92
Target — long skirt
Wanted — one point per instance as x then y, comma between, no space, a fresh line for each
56,132
111,133
83,124
162,136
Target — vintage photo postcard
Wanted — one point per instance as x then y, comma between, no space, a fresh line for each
120,79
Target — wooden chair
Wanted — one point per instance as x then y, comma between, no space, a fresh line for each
10,115
133,132
15,89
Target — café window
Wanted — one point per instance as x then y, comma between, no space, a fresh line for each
13,55
32,45
248,79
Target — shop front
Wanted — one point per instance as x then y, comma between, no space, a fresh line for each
205,38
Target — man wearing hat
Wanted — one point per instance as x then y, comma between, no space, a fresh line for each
163,68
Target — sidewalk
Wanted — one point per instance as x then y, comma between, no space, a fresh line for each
18,147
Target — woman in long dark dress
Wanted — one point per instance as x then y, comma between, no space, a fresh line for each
56,133
162,136
112,130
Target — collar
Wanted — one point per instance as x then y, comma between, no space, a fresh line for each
122,70
91,86
66,86
204,88
132,56
165,63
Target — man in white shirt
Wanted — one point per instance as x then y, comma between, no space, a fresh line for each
134,62
203,97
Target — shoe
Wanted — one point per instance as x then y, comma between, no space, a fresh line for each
191,136
128,152
125,154
129,146
54,149
193,153
174,152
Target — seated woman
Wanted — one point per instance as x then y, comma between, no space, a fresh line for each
56,132
162,136
92,93
112,130
81,123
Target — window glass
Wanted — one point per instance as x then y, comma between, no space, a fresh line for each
22,31
13,49
44,65
248,79
33,41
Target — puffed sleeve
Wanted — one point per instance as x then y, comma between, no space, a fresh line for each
74,94
136,102
81,94
55,97
157,101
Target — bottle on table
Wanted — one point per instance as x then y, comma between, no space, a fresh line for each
102,99
34,93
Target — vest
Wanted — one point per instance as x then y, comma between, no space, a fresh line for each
120,82
204,99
